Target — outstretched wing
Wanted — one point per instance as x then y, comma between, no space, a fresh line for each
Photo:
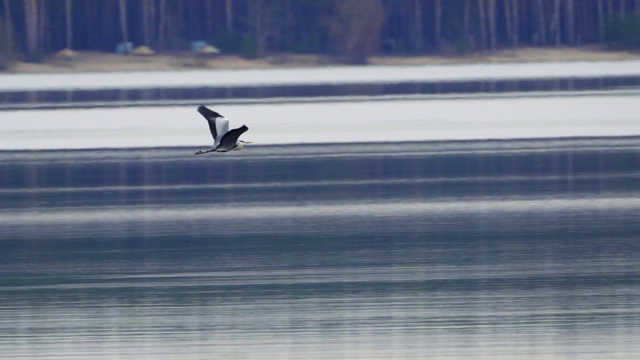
230,139
208,113
218,124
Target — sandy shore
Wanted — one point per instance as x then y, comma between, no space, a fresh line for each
108,62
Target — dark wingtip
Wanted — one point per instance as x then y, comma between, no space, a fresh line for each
208,113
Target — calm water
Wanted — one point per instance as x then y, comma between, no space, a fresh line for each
452,250
54,99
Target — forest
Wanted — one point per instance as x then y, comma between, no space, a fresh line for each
348,29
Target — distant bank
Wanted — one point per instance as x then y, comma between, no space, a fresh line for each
109,62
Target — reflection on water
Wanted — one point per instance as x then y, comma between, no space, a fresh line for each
512,249
251,93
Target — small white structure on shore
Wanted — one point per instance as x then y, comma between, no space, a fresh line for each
209,50
66,54
142,51
124,48
202,48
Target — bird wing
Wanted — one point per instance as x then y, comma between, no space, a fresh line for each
213,118
208,113
230,139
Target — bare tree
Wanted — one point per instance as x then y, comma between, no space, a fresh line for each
493,37
356,28
7,14
467,18
42,26
69,24
483,24
508,21
123,21
570,22
601,19
7,55
555,22
145,22
209,17
264,22
229,15
417,32
610,11
162,19
542,26
515,9
288,24
31,22
437,24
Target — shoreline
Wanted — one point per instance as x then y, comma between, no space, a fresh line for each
104,62
318,75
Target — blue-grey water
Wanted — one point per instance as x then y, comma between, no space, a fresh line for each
143,96
522,249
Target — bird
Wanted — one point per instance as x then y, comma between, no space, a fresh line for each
223,139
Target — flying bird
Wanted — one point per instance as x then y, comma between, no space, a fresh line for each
223,139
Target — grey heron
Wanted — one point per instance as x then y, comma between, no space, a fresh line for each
223,139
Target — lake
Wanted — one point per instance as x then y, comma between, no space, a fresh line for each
476,249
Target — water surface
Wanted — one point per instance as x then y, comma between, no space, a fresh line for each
519,249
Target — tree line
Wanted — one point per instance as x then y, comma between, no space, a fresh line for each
352,29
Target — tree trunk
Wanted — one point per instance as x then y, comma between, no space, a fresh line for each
145,22
493,37
437,24
469,40
483,24
31,22
289,18
162,23
610,10
209,17
418,41
516,22
467,19
601,19
42,26
257,14
7,16
69,24
570,22
106,24
153,37
180,13
229,15
123,21
542,26
555,22
507,21
355,26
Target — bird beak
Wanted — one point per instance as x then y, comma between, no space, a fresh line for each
199,153
247,142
